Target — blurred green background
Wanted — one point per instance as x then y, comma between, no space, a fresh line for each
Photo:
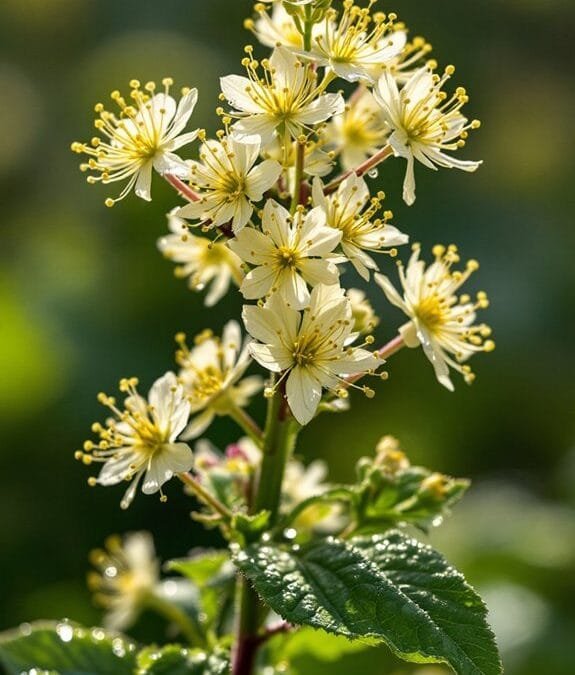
86,298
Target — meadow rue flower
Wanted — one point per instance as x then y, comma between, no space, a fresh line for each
357,41
205,263
210,373
364,317
228,182
277,28
351,210
140,440
288,254
128,573
282,99
424,122
310,349
440,321
140,139
359,132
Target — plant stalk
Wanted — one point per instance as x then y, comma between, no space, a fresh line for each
279,441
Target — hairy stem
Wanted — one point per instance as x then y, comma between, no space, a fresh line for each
279,441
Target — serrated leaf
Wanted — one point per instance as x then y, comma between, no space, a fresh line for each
67,649
177,660
388,587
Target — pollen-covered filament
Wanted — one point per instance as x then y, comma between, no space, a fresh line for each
436,116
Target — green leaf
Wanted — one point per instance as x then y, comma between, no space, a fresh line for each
66,648
213,575
392,588
176,660
201,568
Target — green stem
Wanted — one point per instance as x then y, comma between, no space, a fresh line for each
299,173
247,424
308,27
279,441
174,614
204,496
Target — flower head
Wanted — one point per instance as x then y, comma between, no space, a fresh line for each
282,99
128,573
288,254
277,28
210,374
424,122
203,261
359,132
141,439
351,210
440,321
310,349
228,182
142,138
358,43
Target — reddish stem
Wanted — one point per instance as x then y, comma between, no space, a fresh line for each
183,189
362,169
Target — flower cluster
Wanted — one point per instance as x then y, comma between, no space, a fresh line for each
279,203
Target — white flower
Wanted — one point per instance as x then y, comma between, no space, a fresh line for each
424,122
277,29
203,261
210,374
357,44
141,139
440,321
346,211
142,438
359,132
310,348
128,574
364,317
285,102
228,183
288,254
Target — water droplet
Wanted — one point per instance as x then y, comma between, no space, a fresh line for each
118,647
374,173
98,634
25,629
436,522
266,536
290,533
65,632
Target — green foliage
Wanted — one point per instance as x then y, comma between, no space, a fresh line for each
208,572
67,649
389,588
176,660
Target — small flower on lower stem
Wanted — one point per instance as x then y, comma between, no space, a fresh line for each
206,263
141,139
288,254
424,122
140,440
210,373
351,210
128,573
440,321
228,182
310,349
